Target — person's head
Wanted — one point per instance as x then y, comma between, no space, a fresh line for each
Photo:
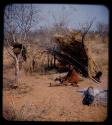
71,67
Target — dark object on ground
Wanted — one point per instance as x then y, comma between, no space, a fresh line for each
88,96
17,48
98,76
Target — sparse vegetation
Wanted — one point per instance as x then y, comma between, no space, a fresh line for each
33,99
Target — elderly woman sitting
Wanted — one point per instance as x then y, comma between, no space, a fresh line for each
71,77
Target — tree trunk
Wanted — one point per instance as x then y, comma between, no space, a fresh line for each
17,72
33,64
54,61
51,62
48,60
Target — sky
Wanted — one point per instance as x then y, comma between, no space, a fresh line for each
74,14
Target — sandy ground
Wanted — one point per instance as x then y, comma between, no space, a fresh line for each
35,100
39,102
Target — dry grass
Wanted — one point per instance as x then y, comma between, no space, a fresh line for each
34,100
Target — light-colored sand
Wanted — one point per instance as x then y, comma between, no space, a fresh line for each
59,103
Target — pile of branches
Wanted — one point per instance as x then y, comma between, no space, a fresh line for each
74,51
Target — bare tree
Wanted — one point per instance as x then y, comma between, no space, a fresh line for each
18,21
17,59
84,29
60,21
102,30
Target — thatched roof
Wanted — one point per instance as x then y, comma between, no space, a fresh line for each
75,49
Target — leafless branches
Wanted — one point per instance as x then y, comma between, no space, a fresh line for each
18,21
84,28
102,30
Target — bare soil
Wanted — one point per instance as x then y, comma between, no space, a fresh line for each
35,100
44,103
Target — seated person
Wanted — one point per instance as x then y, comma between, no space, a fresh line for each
71,77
